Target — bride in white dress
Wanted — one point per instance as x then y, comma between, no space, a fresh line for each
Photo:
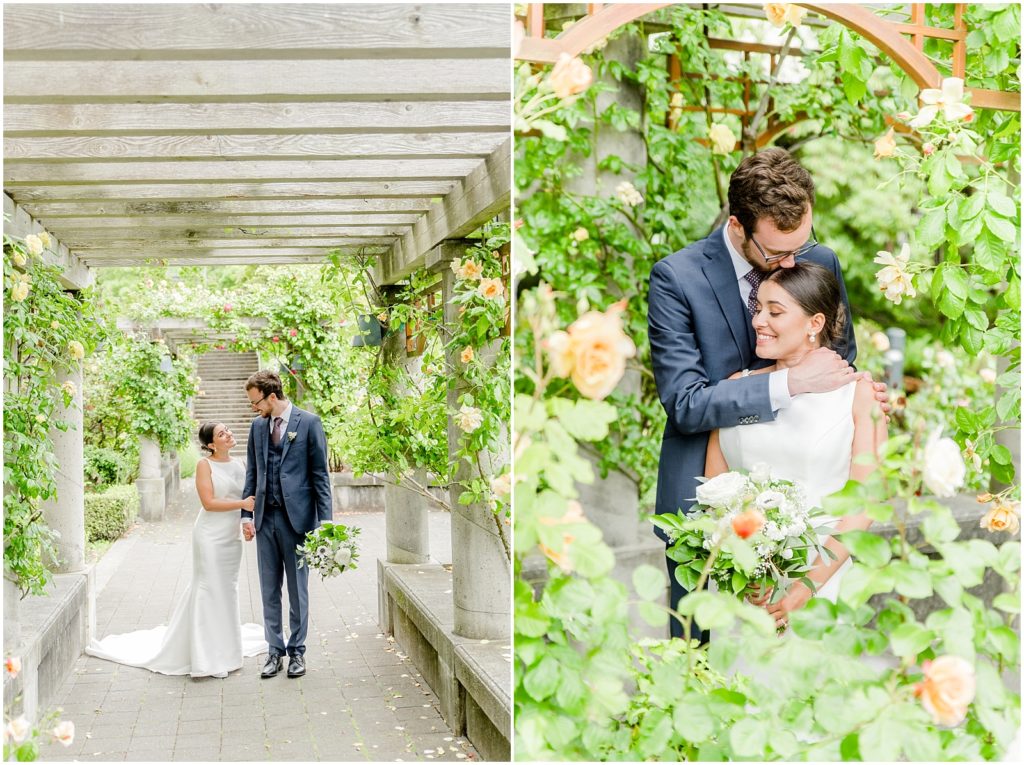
817,439
204,637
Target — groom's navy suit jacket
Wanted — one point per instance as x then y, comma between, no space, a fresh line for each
701,333
305,476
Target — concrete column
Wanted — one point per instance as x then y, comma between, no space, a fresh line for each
405,512
481,570
12,625
66,514
150,482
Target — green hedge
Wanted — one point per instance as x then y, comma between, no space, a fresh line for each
108,514
107,467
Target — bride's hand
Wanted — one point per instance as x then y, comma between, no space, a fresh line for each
760,596
795,599
249,503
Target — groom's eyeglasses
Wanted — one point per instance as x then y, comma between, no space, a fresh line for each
253,404
769,259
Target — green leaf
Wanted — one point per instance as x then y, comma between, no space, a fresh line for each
653,613
541,680
1001,204
815,619
551,130
649,582
910,639
870,549
1007,602
749,737
940,526
693,719
1005,642
655,732
911,582
879,740
931,230
744,555
1001,227
584,420
861,582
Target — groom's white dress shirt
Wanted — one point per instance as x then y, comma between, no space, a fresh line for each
778,382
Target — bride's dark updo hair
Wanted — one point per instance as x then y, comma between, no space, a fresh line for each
816,290
206,436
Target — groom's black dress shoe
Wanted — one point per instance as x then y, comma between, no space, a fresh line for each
296,666
273,665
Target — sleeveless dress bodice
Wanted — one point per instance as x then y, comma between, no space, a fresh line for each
810,442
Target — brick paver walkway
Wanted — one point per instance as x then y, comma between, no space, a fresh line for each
361,698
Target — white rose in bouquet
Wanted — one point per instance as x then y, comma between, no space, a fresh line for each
722,490
761,472
343,557
770,498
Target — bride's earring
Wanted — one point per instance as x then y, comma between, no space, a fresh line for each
813,336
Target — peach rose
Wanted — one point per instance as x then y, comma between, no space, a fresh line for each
1002,517
581,234
469,269
569,76
467,354
776,13
502,485
748,523
64,732
886,145
593,352
947,689
491,288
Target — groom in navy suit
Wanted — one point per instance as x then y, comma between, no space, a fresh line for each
287,471
700,308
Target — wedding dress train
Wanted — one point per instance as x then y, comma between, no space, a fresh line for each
204,637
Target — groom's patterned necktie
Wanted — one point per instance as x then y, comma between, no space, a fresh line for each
275,435
755,278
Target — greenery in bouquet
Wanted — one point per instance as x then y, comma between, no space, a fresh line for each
331,549
748,532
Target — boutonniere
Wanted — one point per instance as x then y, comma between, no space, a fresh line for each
292,434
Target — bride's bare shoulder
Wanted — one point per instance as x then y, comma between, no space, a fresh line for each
749,372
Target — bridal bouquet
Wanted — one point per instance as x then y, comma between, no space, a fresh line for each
330,549
759,530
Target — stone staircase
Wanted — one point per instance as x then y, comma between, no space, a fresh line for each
222,393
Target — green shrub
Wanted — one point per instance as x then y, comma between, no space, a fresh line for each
108,514
188,458
108,467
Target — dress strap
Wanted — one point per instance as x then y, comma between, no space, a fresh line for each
745,373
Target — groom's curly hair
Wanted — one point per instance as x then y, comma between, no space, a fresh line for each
770,184
266,382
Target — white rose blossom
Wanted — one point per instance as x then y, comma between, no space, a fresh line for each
949,99
768,499
944,468
722,490
894,279
760,472
469,418
628,194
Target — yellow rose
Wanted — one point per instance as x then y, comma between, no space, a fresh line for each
886,145
19,292
76,350
491,288
593,352
569,76
881,341
40,418
467,355
502,485
776,13
19,258
69,388
45,239
795,14
723,141
470,270
34,245
947,689
581,234
1002,517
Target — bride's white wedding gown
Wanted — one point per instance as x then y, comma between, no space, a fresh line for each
204,636
810,442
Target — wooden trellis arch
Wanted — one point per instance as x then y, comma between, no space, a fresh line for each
602,19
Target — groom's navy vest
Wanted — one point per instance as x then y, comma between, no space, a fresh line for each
275,496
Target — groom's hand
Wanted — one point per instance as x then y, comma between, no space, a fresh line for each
822,370
248,530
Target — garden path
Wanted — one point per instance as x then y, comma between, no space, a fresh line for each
362,699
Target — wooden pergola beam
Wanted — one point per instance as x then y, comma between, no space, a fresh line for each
483,194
